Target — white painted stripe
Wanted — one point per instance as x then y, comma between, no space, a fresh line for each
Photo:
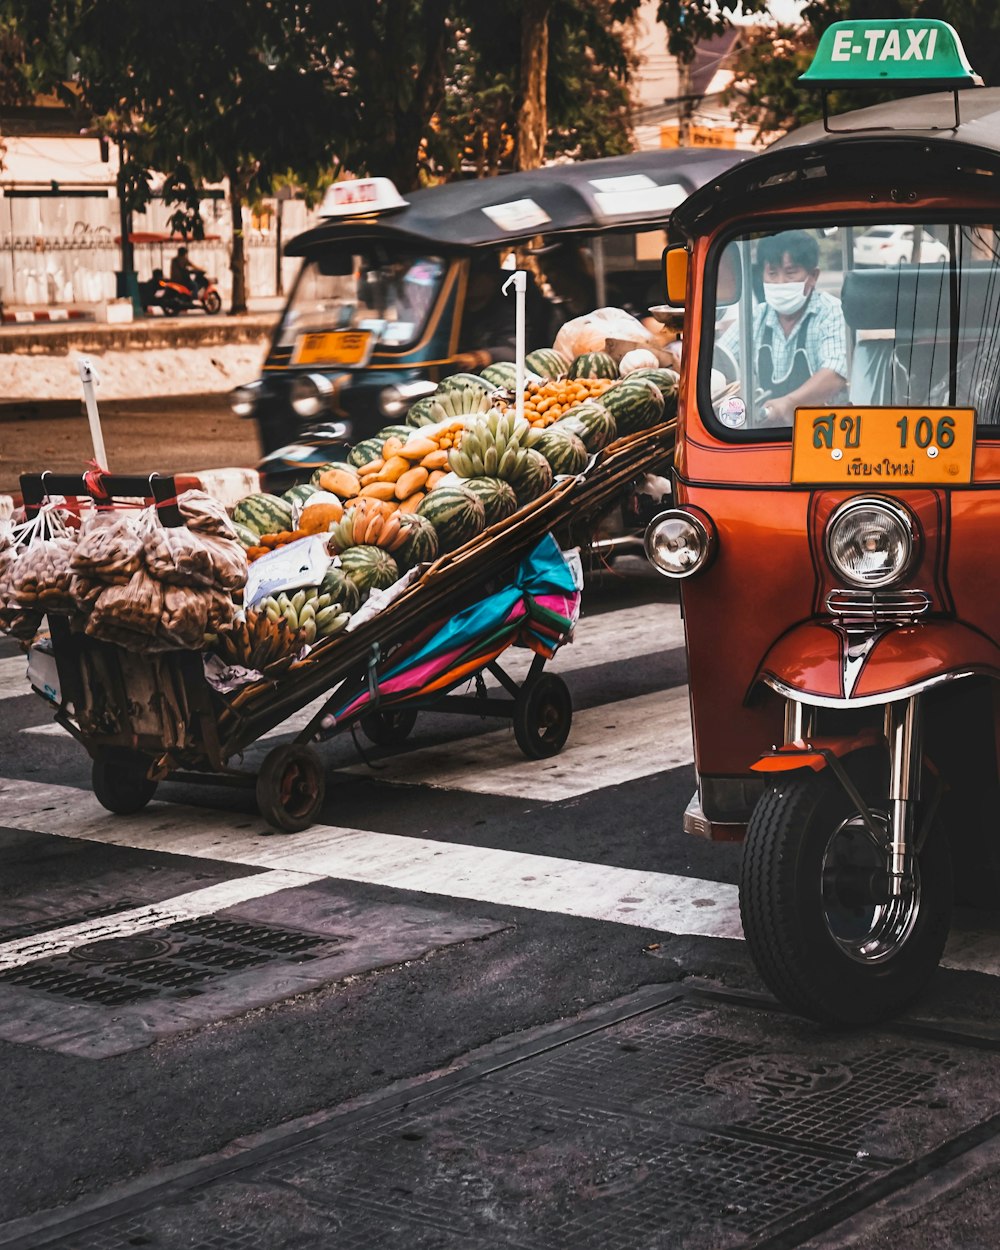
204,902
13,677
608,745
649,900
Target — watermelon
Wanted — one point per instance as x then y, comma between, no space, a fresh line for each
564,450
456,513
369,568
591,422
421,545
266,514
497,496
593,365
666,381
420,413
532,475
297,495
341,587
245,536
458,380
634,405
364,452
547,363
318,473
394,431
503,373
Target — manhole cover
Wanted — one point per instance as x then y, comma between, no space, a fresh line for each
778,1076
120,950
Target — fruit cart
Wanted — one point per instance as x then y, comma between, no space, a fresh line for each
147,718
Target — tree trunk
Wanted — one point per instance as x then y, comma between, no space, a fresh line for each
238,258
532,120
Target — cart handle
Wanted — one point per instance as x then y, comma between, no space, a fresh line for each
36,487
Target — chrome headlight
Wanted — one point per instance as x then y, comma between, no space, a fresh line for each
243,400
871,542
310,393
680,541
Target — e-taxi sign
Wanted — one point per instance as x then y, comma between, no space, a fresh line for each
921,50
355,197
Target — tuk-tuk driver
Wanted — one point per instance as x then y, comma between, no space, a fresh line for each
799,332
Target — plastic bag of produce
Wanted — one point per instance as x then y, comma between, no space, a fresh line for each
109,550
205,515
590,333
184,557
129,615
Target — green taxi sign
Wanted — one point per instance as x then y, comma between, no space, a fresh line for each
925,51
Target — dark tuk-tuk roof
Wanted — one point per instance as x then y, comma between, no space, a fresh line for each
453,215
890,145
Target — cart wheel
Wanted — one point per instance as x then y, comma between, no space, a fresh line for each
290,788
543,713
120,783
821,926
390,726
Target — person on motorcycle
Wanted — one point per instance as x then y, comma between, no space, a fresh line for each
185,272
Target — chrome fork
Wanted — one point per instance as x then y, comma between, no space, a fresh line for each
904,734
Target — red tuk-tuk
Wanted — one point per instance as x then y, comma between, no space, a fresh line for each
837,482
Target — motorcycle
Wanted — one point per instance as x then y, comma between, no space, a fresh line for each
173,298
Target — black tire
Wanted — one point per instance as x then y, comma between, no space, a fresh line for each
813,901
290,788
120,783
388,727
543,714
212,302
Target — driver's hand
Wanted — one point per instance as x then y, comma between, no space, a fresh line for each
778,411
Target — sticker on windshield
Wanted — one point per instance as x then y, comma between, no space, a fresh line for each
517,215
733,412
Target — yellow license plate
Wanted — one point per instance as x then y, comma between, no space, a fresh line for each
336,347
883,446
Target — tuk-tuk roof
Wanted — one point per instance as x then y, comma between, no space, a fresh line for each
583,196
885,141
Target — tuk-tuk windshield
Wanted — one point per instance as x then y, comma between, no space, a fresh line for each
902,315
385,291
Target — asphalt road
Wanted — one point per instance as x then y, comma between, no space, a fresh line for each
485,1001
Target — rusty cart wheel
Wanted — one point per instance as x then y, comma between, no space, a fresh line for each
389,727
120,782
290,788
543,713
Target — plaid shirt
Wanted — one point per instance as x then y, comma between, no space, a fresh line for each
821,332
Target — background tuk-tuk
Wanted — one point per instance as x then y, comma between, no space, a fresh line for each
835,530
395,293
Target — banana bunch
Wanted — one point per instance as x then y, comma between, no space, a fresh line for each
308,614
490,446
368,521
459,402
256,641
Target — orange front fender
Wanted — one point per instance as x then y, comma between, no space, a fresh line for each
819,663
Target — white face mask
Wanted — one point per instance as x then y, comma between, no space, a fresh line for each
786,298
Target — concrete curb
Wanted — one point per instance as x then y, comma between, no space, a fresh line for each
22,315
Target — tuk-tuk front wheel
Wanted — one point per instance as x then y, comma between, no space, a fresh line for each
825,933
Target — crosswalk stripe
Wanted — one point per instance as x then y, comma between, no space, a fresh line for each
203,902
12,677
663,902
649,900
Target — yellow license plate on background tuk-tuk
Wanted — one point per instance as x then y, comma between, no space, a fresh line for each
333,347
887,446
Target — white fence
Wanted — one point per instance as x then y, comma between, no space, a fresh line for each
59,250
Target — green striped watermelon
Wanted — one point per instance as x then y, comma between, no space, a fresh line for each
497,496
547,363
666,381
420,413
590,422
565,451
394,431
245,536
457,380
267,514
369,568
421,545
455,513
635,405
502,373
318,473
532,475
593,365
341,587
297,495
364,452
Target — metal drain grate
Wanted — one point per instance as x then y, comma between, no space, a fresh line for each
10,933
167,962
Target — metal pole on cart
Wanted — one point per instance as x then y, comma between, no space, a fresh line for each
519,280
89,379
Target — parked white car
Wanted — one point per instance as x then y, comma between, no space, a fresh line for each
893,245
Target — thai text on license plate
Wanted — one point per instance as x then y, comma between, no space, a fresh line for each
337,347
891,446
